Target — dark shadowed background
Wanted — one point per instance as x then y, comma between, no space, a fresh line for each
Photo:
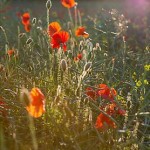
89,7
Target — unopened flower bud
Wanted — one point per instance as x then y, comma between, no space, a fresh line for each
21,35
34,20
63,65
25,97
87,66
48,4
29,40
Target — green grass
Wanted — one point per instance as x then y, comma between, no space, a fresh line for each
69,120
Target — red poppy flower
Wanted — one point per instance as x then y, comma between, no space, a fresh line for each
79,56
106,93
3,108
59,39
68,3
91,93
26,18
81,32
104,122
121,112
75,59
113,109
53,28
10,52
27,27
37,105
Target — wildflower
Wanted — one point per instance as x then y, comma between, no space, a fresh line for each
121,112
80,31
112,109
106,93
134,76
79,57
147,67
10,52
26,18
27,27
75,59
53,28
104,122
59,39
37,105
68,3
91,93
3,107
26,21
146,82
138,83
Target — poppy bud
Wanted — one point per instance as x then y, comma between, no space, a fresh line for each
48,4
10,52
34,20
21,35
63,65
40,22
29,40
87,66
25,97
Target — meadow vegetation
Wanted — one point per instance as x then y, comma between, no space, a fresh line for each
80,83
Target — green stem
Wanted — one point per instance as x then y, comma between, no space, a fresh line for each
33,135
80,20
75,14
70,16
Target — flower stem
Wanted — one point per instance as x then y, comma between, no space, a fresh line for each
75,14
70,16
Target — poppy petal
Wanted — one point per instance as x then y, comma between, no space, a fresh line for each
68,3
25,18
37,106
60,39
54,27
80,31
